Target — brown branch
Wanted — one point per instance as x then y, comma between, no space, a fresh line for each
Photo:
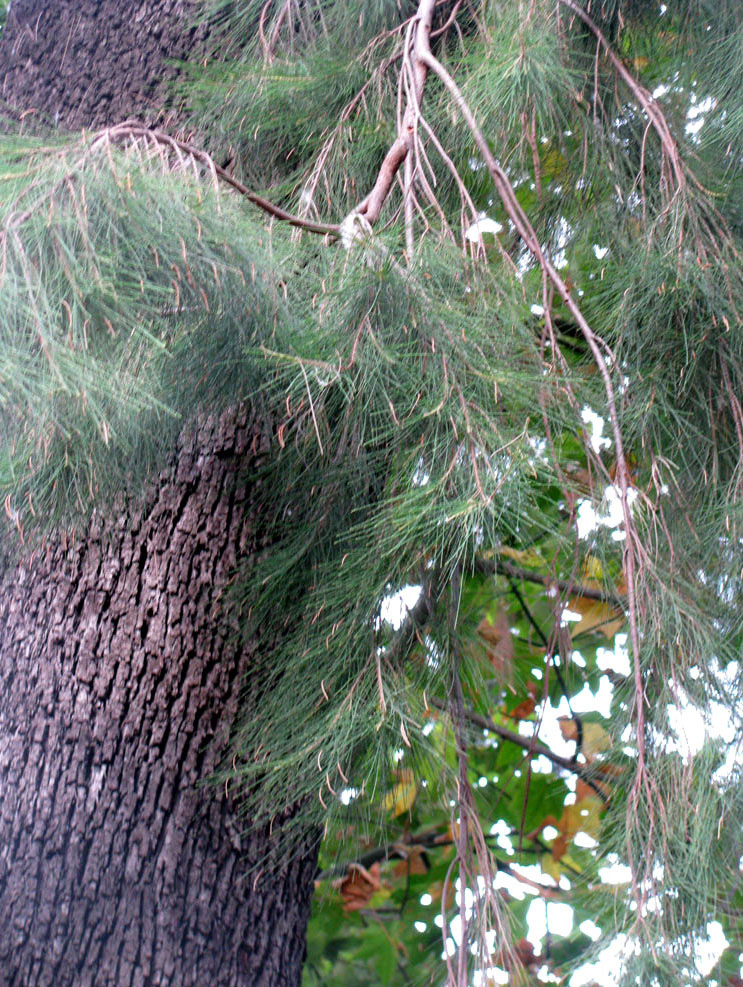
567,586
124,130
371,206
641,94
531,746
401,849
527,233
429,839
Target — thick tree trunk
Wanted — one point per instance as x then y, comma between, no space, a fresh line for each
120,675
119,681
90,63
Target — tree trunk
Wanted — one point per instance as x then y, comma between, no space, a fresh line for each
120,672
90,63
119,681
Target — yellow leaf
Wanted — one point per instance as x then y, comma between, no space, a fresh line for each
401,796
588,815
596,616
551,867
592,570
595,740
581,817
527,556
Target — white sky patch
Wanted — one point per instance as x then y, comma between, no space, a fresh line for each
590,929
395,607
484,224
562,237
596,424
697,114
708,953
601,973
688,724
515,888
608,515
600,252
615,872
616,659
502,831
541,765
557,917
582,839
493,975
694,726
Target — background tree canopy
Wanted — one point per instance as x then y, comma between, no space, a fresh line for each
479,264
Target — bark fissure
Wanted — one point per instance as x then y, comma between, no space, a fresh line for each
118,864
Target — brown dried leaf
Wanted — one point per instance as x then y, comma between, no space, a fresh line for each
497,636
414,863
526,707
595,615
359,885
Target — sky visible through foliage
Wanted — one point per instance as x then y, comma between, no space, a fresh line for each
482,265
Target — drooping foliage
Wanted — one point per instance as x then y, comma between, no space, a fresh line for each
506,220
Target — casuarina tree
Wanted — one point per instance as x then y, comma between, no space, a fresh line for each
312,311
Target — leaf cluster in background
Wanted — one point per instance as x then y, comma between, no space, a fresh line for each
429,409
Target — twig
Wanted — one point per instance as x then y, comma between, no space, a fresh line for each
568,586
527,233
644,98
529,744
124,130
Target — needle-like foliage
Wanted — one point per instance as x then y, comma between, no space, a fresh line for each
528,213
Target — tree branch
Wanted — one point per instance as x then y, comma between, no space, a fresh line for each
527,233
124,130
529,744
371,206
492,567
643,97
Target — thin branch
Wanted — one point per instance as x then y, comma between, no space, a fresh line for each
643,97
429,839
567,586
124,130
527,233
533,747
371,206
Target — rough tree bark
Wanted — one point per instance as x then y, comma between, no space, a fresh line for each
119,674
119,682
90,63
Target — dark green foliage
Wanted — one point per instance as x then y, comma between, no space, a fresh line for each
428,409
